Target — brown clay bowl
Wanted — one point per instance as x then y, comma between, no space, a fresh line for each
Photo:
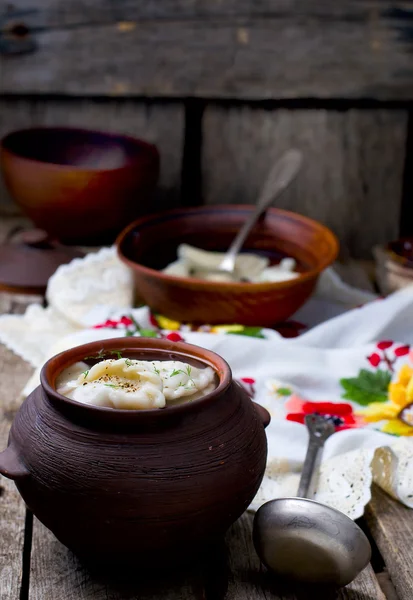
150,243
80,186
143,487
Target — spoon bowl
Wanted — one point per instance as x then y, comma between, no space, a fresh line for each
305,540
310,542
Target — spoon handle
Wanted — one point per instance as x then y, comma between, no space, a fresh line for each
279,178
319,430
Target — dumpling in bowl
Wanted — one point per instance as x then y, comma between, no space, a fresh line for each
130,384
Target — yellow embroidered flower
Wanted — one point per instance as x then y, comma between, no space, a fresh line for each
405,375
165,323
226,328
379,411
400,396
397,427
397,394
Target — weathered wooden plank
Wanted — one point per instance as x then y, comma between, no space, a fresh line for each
351,178
357,273
233,575
12,516
60,13
391,525
257,50
56,573
161,124
248,580
14,373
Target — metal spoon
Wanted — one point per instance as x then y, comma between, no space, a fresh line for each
305,540
280,176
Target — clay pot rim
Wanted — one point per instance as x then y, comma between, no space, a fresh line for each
201,284
59,362
149,151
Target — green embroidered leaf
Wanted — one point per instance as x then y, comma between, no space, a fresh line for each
249,331
367,387
151,333
283,391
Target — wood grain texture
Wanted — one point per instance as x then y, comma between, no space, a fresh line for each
12,511
56,573
357,273
14,374
231,573
241,577
224,49
390,525
162,125
351,179
61,14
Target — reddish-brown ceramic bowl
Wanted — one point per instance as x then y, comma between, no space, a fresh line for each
145,487
80,186
150,243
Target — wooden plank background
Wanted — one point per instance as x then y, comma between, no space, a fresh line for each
216,48
224,86
351,178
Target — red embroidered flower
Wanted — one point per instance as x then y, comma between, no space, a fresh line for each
174,336
107,324
374,359
384,345
153,320
402,350
127,321
384,357
340,414
248,380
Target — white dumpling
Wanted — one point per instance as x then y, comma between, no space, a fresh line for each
200,261
120,383
203,264
181,379
178,269
68,379
134,384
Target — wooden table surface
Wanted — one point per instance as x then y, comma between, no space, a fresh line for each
35,566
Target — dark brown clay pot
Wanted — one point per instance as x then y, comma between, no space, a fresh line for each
81,186
150,244
137,486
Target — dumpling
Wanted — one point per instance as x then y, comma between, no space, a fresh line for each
121,383
181,379
129,384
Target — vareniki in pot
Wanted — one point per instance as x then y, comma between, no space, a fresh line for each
133,485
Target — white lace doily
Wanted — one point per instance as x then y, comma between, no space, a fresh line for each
342,482
98,279
30,335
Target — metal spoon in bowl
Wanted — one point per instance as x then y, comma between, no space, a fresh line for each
281,175
305,540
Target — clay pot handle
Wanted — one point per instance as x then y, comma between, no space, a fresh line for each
10,465
262,413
